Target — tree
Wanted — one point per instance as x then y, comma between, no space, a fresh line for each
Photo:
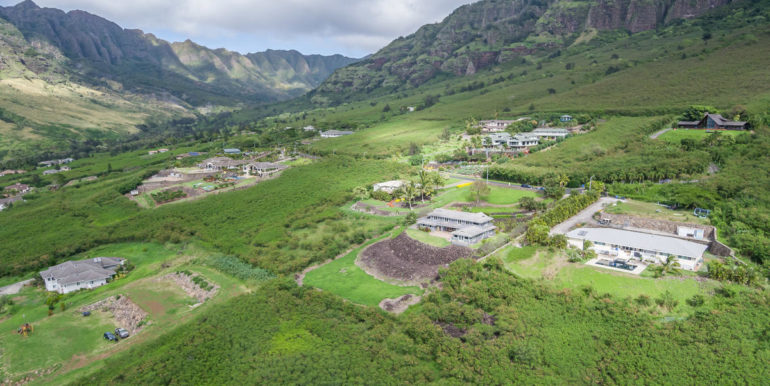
528,203
696,112
361,193
426,186
563,180
409,192
444,135
670,266
476,141
410,218
479,189
537,233
386,109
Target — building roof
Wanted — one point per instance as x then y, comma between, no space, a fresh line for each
69,272
266,165
9,200
390,184
463,216
717,118
473,231
336,132
549,131
223,162
499,136
232,150
525,137
639,240
17,186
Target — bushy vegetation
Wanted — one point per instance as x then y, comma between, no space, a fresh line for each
485,326
168,195
237,268
539,227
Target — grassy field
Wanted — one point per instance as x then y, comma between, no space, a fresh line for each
67,341
497,196
389,138
652,210
426,238
541,264
677,135
344,278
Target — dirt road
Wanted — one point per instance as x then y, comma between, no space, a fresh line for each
583,217
13,289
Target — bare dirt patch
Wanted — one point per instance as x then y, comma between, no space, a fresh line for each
400,304
371,209
406,259
127,314
191,288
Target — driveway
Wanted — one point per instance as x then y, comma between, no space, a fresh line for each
13,289
659,133
585,216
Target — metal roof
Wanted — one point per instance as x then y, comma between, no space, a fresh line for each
473,231
639,240
479,218
547,130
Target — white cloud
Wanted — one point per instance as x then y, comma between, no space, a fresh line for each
360,26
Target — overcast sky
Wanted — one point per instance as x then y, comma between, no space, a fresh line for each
349,27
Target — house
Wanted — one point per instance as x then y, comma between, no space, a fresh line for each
715,122
263,168
618,243
690,232
334,133
83,274
549,133
411,109
9,172
65,169
466,228
18,188
388,186
232,151
309,128
497,139
523,140
134,192
221,163
56,162
565,118
152,152
50,171
494,126
162,150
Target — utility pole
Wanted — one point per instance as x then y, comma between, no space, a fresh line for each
590,182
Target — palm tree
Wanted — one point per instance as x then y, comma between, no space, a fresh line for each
671,265
409,191
563,180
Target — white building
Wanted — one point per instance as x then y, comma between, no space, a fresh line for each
388,186
617,243
334,133
83,274
467,228
516,141
494,125
263,168
549,133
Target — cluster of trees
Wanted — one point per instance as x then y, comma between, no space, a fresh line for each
539,227
422,186
736,273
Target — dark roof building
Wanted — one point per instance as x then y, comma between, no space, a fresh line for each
715,122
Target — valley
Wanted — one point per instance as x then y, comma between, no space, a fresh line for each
525,192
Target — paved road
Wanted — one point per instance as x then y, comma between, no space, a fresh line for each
14,288
659,133
585,216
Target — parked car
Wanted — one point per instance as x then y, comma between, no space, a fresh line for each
110,336
86,313
121,332
525,186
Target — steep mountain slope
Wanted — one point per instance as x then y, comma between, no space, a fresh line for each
102,51
491,32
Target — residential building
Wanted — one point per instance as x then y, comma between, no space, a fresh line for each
83,274
50,171
618,243
497,139
565,118
309,128
523,140
56,162
18,188
152,152
162,150
263,168
221,163
466,228
715,122
334,133
232,151
9,172
550,133
494,125
388,186
65,169
6,202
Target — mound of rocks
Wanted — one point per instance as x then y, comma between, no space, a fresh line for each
126,313
191,288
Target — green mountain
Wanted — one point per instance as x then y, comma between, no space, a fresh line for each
491,32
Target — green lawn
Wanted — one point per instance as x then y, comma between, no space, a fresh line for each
497,196
677,135
541,264
344,278
426,238
651,210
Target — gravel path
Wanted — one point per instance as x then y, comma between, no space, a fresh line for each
14,288
584,216
659,133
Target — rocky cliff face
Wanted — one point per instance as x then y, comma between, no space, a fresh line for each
490,32
101,51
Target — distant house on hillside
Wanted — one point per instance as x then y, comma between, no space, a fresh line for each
494,126
9,172
715,122
6,202
565,118
549,133
50,171
56,162
467,228
309,128
263,168
18,188
334,133
84,274
221,163
388,186
517,141
232,151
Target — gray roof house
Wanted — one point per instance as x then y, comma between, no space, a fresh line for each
82,274
550,133
335,133
221,163
263,168
714,121
466,228
639,245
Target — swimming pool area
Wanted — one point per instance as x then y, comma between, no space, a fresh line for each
621,265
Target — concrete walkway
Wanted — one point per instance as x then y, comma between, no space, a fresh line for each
13,289
659,133
585,216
